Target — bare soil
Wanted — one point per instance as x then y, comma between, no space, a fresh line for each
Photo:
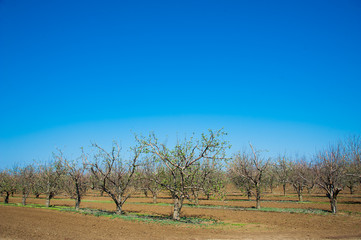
35,223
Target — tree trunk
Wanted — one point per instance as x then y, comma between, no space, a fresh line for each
48,198
78,196
119,201
258,198
333,202
332,195
154,198
145,193
284,189
77,203
6,198
119,208
299,190
178,203
249,195
196,198
37,195
258,203
24,200
300,198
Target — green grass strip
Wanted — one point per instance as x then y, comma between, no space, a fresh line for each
268,209
138,217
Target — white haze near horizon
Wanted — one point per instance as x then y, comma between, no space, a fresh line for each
275,138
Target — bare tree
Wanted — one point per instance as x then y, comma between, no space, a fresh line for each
352,151
113,174
244,184
148,173
299,176
311,179
52,176
38,185
271,178
330,169
183,163
351,179
7,184
25,181
252,167
76,182
283,171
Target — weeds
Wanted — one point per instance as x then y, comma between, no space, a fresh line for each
139,217
142,217
292,210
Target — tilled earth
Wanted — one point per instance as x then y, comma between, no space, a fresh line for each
35,223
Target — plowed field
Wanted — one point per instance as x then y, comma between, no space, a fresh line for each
35,223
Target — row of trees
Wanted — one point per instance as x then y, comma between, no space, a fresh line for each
192,167
332,169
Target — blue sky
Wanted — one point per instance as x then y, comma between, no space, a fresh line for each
285,75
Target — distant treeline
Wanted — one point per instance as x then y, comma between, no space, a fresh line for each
193,167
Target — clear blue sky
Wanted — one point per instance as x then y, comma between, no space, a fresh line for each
285,75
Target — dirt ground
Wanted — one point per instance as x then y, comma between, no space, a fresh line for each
35,223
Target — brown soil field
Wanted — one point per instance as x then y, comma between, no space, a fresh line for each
35,223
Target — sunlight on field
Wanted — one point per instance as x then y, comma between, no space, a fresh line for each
234,215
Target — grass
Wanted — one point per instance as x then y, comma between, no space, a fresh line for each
269,200
283,210
289,210
138,217
147,218
292,210
52,207
192,205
